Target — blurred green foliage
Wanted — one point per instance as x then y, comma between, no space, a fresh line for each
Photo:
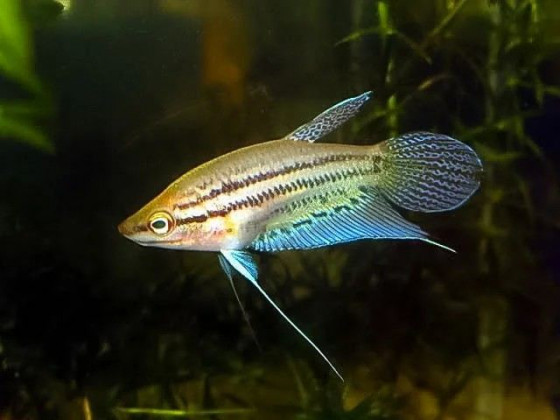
22,111
476,70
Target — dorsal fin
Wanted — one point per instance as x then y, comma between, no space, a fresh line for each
329,120
242,262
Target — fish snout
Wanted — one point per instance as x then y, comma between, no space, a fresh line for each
125,228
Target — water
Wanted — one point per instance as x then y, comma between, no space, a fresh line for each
122,97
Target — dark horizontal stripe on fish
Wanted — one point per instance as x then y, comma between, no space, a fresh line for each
265,176
193,219
294,185
202,218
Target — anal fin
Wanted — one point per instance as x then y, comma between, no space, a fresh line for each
337,217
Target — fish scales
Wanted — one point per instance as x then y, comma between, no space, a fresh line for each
294,194
254,182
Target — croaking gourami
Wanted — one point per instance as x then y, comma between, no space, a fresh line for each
293,193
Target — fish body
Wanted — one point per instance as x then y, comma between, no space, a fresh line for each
227,202
293,193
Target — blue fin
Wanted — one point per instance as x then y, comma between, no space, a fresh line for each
243,262
338,217
229,273
429,172
329,120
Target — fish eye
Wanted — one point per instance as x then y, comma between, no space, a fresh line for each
161,223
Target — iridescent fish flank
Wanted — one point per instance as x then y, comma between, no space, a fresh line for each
293,193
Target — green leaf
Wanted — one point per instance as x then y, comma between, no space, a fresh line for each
417,48
23,131
491,155
432,80
25,109
356,35
16,58
184,413
388,32
14,31
444,23
18,118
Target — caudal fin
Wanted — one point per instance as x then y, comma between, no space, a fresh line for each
429,172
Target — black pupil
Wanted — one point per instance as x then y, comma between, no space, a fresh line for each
159,224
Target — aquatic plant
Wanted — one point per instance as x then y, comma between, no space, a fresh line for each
25,103
477,69
91,327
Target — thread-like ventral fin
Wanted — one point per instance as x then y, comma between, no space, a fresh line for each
243,262
329,120
228,269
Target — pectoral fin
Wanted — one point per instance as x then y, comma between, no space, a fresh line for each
243,262
329,120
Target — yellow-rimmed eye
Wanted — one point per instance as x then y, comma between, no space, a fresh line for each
161,223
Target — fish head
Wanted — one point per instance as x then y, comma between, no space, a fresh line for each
153,225
164,223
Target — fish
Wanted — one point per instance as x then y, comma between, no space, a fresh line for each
295,193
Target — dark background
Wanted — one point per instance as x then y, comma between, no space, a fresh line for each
135,93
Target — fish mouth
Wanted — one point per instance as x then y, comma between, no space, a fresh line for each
125,229
135,233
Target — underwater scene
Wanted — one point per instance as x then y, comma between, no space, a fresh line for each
297,209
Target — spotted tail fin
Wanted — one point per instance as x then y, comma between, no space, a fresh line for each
429,172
